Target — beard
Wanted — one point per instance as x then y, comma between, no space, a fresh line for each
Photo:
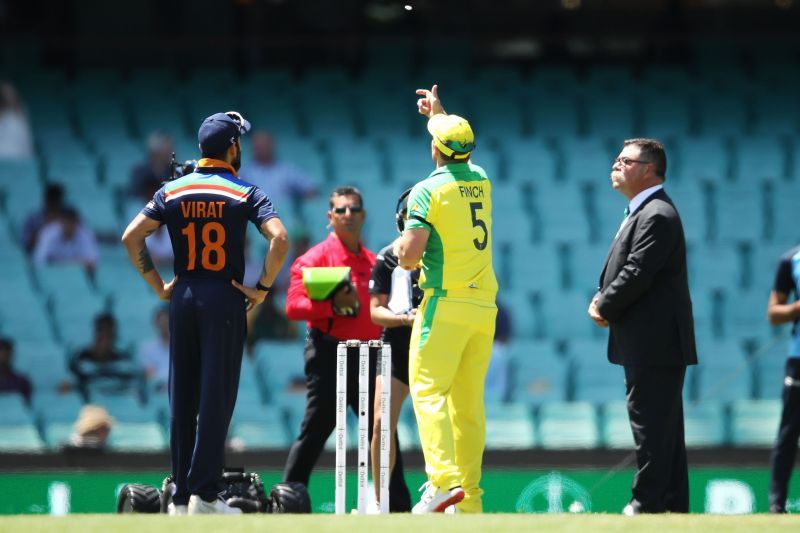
236,163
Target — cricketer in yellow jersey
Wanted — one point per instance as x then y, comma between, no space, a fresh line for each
449,231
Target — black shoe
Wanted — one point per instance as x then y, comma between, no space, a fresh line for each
777,509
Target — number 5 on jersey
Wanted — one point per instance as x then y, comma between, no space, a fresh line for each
478,223
213,237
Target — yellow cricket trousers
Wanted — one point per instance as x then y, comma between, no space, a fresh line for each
451,344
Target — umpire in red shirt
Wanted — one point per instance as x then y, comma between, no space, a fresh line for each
329,322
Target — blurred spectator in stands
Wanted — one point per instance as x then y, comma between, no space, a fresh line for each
101,363
147,177
16,141
10,380
498,383
282,181
52,206
268,321
91,430
154,354
66,240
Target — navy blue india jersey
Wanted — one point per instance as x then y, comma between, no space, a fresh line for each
206,214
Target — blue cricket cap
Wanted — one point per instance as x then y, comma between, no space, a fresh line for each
219,131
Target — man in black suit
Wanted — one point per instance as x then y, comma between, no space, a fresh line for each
644,297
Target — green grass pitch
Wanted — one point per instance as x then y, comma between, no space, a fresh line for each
400,523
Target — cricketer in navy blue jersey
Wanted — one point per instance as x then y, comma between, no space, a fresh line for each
206,214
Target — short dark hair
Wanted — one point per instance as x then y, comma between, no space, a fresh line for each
653,151
105,319
54,192
347,190
220,156
6,344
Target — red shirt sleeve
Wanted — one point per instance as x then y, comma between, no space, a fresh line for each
298,305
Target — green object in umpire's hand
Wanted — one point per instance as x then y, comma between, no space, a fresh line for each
322,282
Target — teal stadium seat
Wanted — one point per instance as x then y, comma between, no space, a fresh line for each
529,160
58,413
498,118
691,200
592,165
585,265
538,374
784,206
755,422
665,113
524,313
724,374
564,219
563,313
258,427
278,364
553,115
356,161
410,160
512,220
326,114
616,431
776,110
509,426
760,158
407,430
17,430
610,116
74,315
393,120
276,114
734,203
596,380
568,426
721,114
705,424
713,266
745,313
251,382
100,117
137,437
44,362
702,158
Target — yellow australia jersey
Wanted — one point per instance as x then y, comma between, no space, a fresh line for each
455,204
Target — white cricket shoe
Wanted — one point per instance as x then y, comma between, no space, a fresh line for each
452,510
436,500
374,507
198,505
177,510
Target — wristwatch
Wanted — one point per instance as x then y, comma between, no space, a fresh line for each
261,287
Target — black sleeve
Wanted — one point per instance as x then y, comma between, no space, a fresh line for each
654,242
381,281
784,281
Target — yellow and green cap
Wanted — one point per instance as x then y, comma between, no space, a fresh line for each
452,135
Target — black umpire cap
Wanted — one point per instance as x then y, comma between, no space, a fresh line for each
219,131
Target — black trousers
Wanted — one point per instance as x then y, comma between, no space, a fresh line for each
785,450
208,327
320,416
655,410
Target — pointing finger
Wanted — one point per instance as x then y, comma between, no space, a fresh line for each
435,91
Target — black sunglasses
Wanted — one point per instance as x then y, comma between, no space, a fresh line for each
354,209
